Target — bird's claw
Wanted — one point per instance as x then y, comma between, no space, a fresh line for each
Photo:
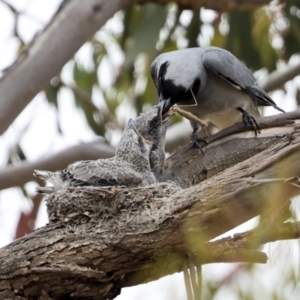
248,120
198,142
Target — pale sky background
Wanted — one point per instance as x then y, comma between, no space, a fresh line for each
38,143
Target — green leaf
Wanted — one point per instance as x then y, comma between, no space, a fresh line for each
85,81
142,27
262,39
51,91
240,41
194,29
292,35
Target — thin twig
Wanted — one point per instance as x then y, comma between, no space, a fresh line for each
189,116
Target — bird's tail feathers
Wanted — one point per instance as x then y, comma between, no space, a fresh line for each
262,97
44,175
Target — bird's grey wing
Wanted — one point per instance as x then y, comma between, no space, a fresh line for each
227,66
103,172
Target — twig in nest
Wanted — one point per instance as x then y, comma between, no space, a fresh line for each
189,116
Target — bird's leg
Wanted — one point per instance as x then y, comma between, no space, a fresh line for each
195,140
249,120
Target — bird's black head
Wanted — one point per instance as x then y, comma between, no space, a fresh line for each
173,93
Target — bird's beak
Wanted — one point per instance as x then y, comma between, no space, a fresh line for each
165,105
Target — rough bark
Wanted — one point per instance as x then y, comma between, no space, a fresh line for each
102,239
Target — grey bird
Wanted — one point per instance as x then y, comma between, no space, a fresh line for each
138,159
212,84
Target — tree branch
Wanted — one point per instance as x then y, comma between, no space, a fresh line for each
219,154
19,174
47,54
102,239
241,247
279,77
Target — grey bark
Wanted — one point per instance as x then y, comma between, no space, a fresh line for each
102,239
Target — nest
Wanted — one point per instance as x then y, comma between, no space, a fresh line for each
112,208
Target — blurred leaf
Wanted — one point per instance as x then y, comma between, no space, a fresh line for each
150,94
239,40
218,40
99,52
292,35
262,40
51,91
135,38
170,45
194,29
125,79
113,100
85,81
170,42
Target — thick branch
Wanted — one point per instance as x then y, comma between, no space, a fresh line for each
32,72
279,77
101,240
241,246
220,153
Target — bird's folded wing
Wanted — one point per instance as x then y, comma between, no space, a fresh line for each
227,66
101,173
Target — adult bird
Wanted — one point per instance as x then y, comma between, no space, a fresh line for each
131,166
212,84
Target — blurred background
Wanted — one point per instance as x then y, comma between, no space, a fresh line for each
82,112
